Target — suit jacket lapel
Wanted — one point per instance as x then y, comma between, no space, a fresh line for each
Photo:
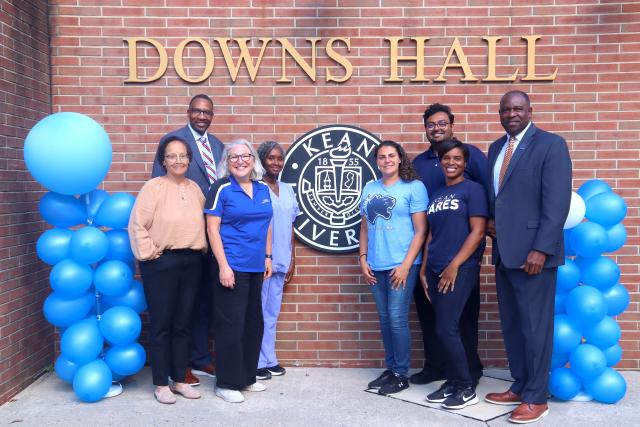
188,136
523,145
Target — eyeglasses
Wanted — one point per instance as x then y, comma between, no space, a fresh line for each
235,158
173,157
441,125
197,112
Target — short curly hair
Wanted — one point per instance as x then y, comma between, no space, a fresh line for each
162,149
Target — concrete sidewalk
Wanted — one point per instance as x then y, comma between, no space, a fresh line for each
306,397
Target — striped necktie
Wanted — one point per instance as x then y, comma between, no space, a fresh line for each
207,157
506,160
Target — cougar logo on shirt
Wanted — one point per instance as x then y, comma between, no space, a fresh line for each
378,205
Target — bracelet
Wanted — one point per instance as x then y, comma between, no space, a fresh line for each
361,255
268,256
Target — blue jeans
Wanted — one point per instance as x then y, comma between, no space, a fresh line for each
393,308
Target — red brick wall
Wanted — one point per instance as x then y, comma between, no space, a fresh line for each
328,315
26,339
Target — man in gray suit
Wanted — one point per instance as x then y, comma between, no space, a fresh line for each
529,197
207,151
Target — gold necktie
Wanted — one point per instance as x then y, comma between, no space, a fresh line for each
506,160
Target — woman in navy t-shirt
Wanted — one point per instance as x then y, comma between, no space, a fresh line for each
457,216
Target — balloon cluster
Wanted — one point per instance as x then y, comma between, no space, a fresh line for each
95,301
588,297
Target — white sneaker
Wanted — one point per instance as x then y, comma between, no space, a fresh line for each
231,396
255,387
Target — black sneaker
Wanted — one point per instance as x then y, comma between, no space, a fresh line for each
424,377
263,374
464,397
445,391
277,370
381,380
395,384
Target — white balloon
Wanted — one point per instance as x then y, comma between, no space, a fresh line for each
576,211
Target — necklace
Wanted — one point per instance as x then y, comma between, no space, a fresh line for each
183,192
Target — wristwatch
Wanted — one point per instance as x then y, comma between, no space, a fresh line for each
268,256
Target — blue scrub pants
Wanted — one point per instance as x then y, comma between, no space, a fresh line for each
271,302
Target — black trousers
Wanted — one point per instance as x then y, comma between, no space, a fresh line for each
448,308
238,326
526,314
435,359
202,320
170,286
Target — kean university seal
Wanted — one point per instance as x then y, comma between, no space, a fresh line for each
328,168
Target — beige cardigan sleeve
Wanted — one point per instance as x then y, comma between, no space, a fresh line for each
140,222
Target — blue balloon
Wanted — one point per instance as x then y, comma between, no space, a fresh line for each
134,298
63,312
92,201
54,245
70,279
587,361
558,360
61,210
65,369
568,276
119,246
566,334
89,245
120,325
113,278
617,236
559,307
593,187
586,305
568,249
82,342
603,334
589,239
115,211
617,298
126,359
68,153
613,354
564,384
606,209
600,272
608,387
92,381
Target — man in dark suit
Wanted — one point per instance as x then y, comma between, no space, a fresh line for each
207,151
529,197
438,125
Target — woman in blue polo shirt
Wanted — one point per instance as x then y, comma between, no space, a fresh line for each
239,212
457,216
392,233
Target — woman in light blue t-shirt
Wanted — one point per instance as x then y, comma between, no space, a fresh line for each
392,233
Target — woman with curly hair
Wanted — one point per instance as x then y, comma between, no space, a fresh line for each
392,232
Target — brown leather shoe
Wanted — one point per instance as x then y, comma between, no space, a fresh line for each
506,398
191,379
208,370
528,413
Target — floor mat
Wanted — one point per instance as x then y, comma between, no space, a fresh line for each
482,411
